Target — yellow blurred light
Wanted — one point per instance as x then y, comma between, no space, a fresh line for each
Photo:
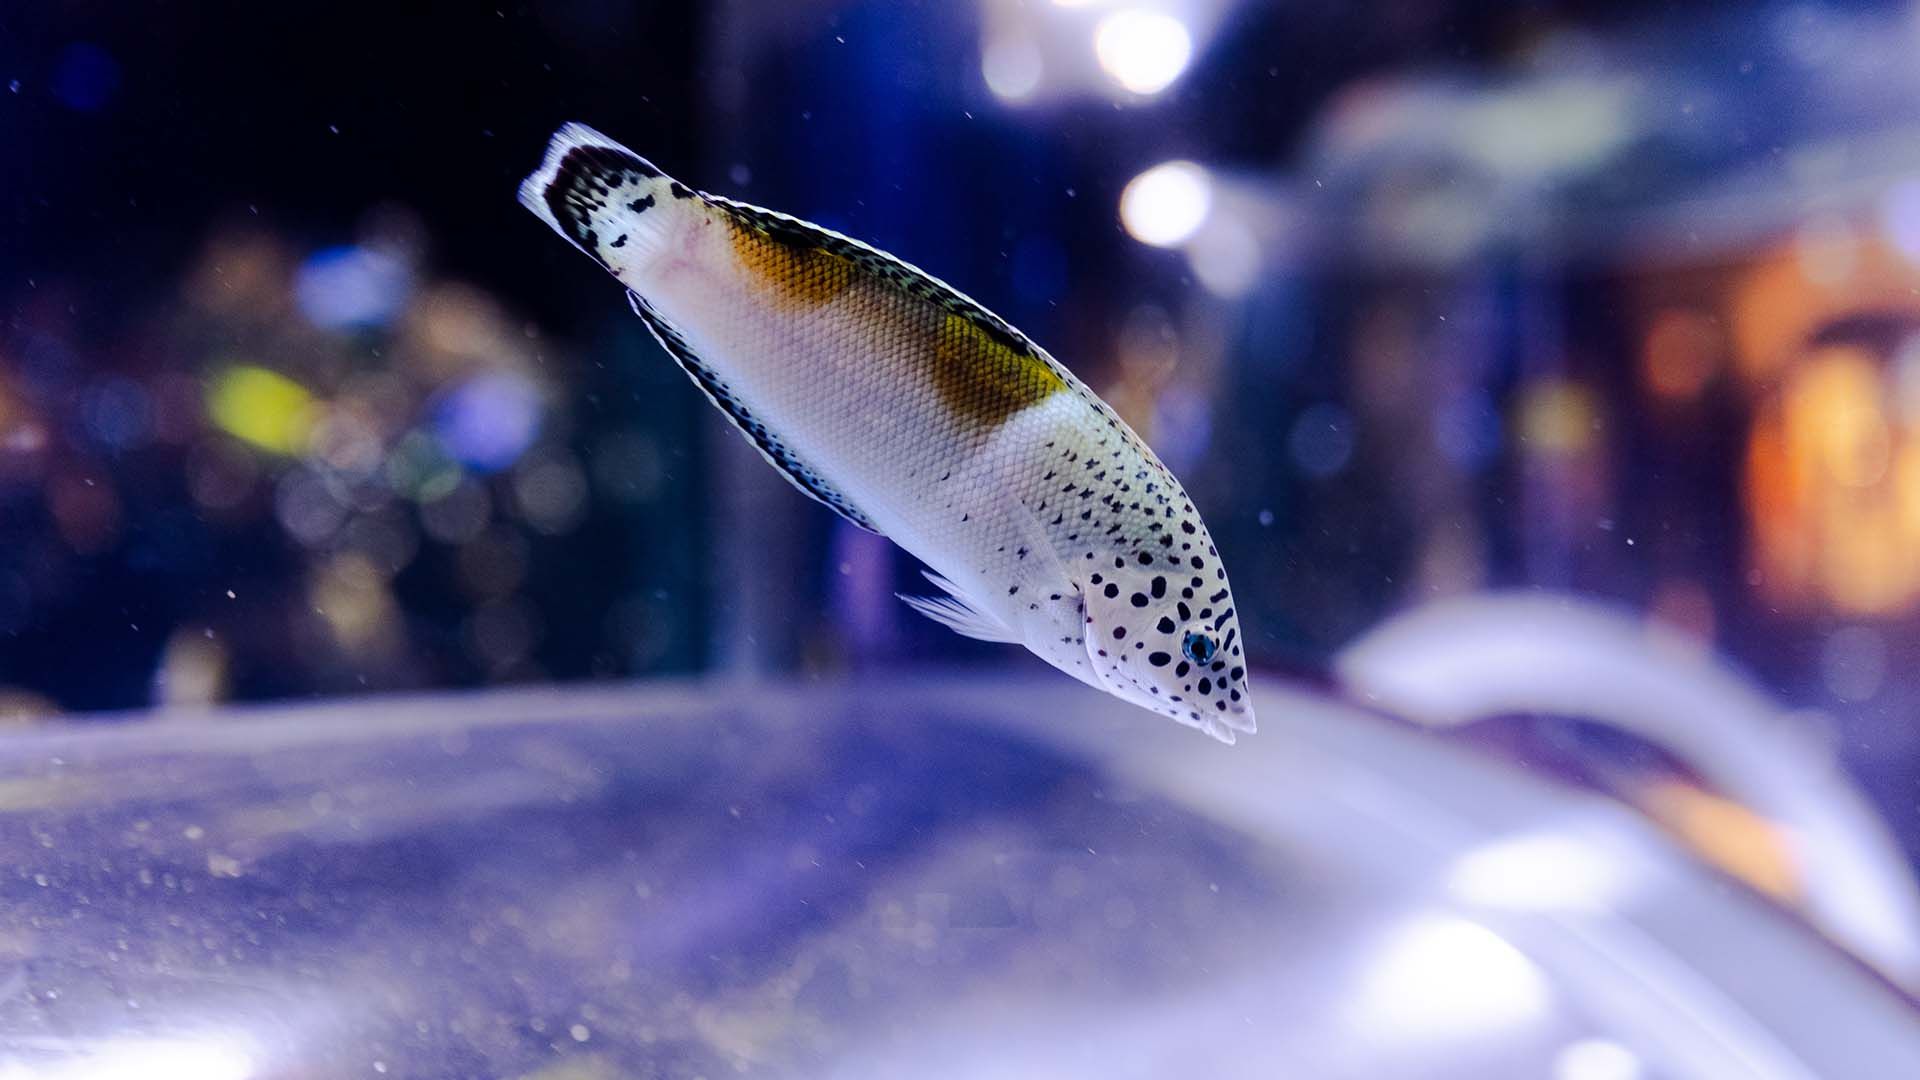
1558,417
351,596
263,408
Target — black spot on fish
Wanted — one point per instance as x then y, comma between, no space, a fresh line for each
1139,599
1165,625
1159,659
620,242
641,205
1159,587
1111,590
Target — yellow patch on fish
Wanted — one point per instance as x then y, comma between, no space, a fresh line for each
983,378
805,276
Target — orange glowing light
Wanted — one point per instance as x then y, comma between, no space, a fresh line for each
1681,354
1727,834
1833,489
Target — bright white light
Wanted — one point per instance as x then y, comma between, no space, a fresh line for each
1225,257
1144,51
1167,204
1011,67
148,1059
1440,976
1549,871
1596,1059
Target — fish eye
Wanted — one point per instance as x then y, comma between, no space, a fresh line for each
1198,647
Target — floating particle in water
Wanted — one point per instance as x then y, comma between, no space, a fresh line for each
1266,519
14,86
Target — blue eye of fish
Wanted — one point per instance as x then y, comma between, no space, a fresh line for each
1198,647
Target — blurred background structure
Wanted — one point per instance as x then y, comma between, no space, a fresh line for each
1423,300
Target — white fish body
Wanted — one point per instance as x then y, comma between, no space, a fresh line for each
918,414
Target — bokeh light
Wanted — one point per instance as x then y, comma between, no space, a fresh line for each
262,407
1143,51
1012,67
1167,204
487,421
347,288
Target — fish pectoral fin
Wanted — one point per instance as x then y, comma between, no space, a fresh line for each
959,613
777,452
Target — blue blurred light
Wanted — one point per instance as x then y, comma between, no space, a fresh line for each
1467,430
1321,440
487,422
344,288
86,78
118,413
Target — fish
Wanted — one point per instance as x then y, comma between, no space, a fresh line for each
913,412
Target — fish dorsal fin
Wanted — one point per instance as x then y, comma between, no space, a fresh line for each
895,271
959,612
804,476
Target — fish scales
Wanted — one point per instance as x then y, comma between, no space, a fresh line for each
917,413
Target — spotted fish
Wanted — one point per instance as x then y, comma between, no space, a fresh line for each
920,415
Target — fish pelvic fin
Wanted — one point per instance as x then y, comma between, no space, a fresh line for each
960,613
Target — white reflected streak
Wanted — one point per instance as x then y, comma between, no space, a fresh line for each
1440,976
144,1059
1491,655
1558,870
1596,1059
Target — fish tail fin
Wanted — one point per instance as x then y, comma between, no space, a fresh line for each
597,194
